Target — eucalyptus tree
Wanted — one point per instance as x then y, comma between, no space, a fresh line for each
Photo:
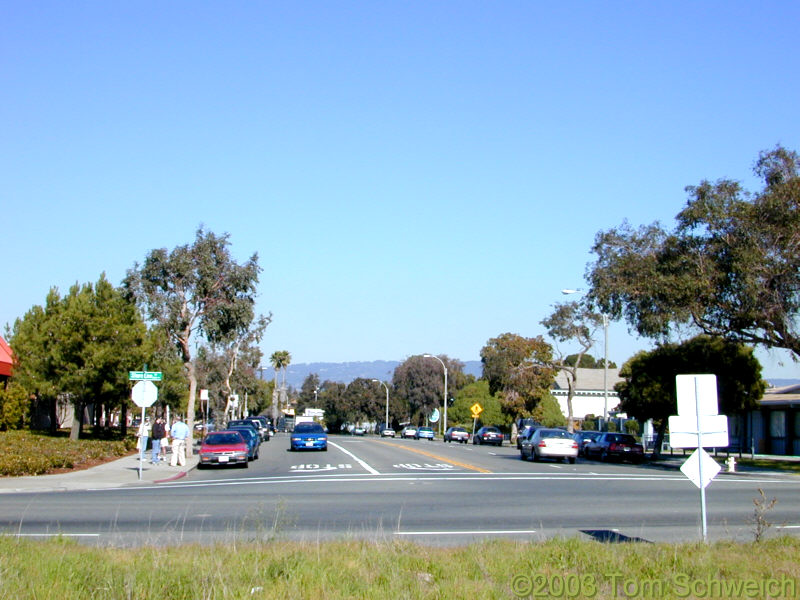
419,383
196,290
730,267
572,322
520,369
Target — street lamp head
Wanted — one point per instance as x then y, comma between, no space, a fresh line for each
427,356
568,291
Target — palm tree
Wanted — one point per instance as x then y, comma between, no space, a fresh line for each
280,359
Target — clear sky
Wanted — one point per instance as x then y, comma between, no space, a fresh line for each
415,176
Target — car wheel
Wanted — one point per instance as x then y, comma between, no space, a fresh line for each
571,460
534,456
244,465
324,448
604,456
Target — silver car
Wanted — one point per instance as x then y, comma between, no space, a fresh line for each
549,443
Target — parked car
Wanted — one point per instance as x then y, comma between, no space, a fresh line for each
409,431
583,438
456,434
424,433
621,446
359,430
549,443
262,423
244,423
251,436
526,433
488,435
308,436
224,448
387,432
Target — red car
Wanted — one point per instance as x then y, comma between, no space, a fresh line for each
224,448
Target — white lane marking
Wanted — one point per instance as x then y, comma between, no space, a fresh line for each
355,458
476,532
788,526
316,467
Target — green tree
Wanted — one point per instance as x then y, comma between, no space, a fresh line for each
730,268
478,392
280,360
195,289
418,383
81,345
548,412
14,406
572,322
309,392
648,387
520,369
333,402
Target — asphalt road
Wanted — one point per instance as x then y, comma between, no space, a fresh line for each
428,492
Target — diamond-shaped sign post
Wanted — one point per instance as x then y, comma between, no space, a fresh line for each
697,417
693,468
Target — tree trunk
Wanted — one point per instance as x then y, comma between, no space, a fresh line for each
190,372
77,421
661,431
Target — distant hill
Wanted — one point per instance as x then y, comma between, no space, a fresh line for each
384,369
348,371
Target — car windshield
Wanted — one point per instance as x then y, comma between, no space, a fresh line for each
308,428
426,429
620,438
223,439
554,433
459,429
246,431
491,430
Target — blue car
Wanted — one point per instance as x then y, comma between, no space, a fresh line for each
308,436
250,436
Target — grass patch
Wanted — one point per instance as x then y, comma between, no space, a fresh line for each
786,466
37,453
572,568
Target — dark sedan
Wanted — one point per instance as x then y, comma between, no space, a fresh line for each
584,438
488,435
620,446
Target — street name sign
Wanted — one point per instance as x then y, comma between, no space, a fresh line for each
144,375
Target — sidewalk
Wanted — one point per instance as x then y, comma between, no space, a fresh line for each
123,472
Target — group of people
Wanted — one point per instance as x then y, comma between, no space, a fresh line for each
160,436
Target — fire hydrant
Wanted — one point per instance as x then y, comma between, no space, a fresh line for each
731,462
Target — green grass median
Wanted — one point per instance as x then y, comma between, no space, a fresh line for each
569,568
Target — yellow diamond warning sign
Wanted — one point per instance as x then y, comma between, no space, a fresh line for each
476,409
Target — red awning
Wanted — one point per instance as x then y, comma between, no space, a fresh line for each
6,358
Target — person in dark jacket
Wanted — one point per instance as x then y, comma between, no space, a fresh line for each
159,431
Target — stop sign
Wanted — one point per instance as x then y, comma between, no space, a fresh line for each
144,393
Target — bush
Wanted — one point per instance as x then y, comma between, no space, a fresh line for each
14,407
27,453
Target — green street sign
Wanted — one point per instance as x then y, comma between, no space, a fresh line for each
144,375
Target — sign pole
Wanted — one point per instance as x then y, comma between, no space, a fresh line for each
704,527
141,428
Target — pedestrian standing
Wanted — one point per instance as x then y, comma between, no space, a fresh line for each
179,434
165,441
159,431
143,433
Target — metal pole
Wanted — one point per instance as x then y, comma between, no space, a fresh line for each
704,527
443,422
605,371
387,404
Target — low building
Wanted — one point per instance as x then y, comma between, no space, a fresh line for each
772,428
590,396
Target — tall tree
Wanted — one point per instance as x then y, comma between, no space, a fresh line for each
195,289
309,392
81,345
419,382
520,369
280,360
648,387
731,266
572,322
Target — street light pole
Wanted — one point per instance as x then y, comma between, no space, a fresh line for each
444,415
387,401
605,359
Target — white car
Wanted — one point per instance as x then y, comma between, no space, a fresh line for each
409,432
388,432
549,443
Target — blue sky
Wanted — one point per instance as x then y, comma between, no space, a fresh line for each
414,176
